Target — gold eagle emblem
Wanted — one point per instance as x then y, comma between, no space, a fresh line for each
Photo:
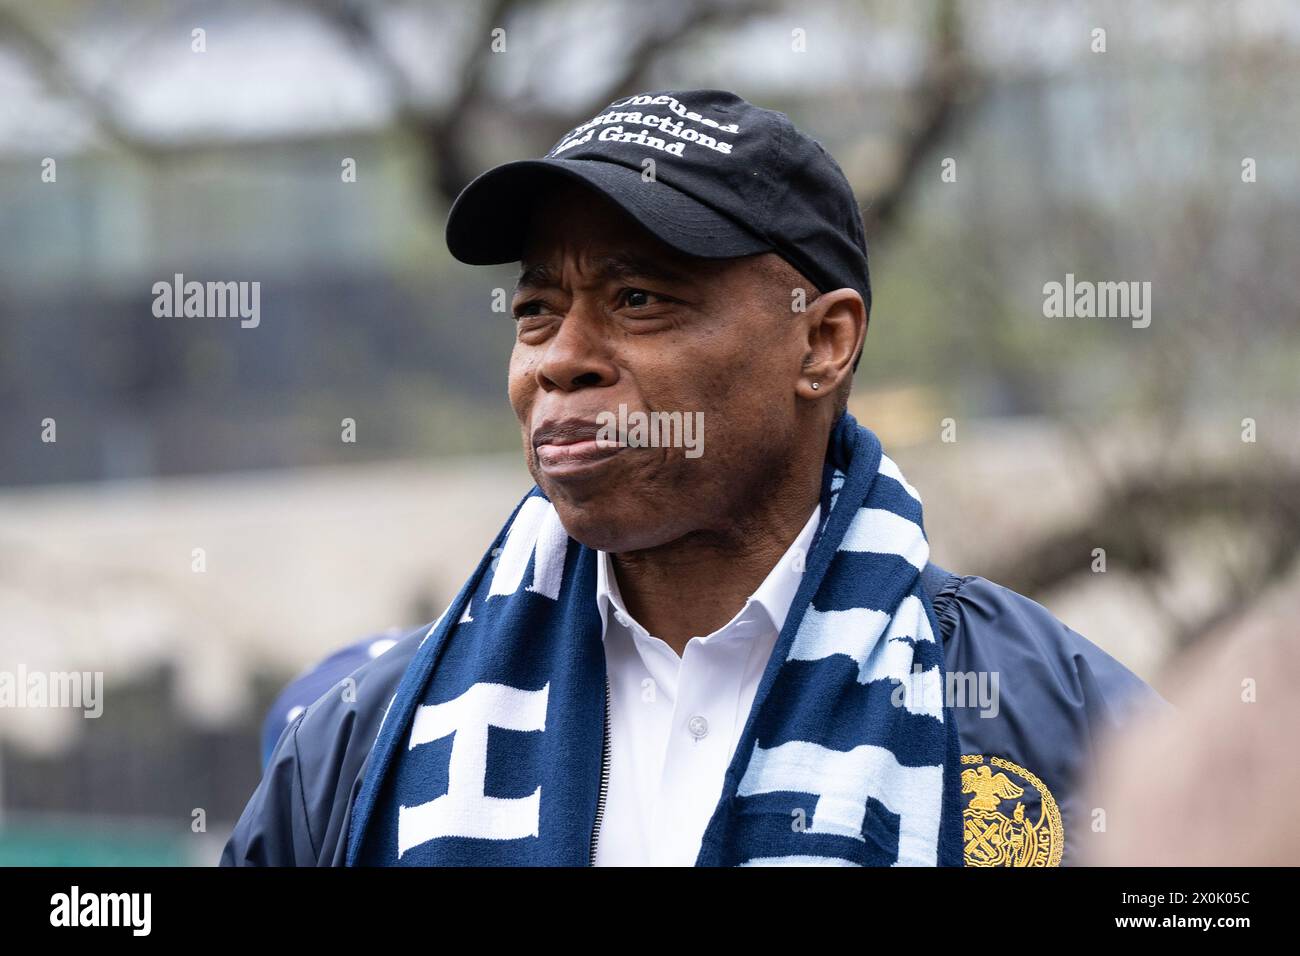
994,838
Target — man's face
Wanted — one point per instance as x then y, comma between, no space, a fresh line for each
607,315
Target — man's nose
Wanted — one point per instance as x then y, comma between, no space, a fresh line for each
578,356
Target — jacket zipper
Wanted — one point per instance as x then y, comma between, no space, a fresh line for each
604,779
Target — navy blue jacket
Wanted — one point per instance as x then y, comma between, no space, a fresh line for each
308,686
1031,699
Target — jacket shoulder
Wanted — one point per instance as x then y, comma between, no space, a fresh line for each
987,626
1032,701
300,812
301,692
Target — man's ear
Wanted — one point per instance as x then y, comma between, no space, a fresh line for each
836,324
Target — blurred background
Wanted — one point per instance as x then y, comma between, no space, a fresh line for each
199,531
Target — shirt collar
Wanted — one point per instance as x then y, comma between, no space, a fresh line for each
774,595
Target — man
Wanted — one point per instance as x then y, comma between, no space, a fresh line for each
679,651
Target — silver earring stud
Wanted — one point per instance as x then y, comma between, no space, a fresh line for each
816,385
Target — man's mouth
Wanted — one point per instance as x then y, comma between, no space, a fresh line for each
571,445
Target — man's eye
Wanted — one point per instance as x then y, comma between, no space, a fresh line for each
531,307
637,298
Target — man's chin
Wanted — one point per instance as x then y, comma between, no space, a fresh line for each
605,525
601,489
622,510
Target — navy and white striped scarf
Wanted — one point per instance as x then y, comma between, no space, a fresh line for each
490,752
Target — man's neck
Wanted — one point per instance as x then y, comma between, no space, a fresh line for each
695,584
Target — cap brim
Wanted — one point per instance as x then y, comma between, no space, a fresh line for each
489,221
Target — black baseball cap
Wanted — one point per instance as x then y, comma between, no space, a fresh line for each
728,179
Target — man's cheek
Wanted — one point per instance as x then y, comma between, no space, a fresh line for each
520,389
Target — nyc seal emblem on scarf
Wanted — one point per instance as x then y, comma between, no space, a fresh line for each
1015,838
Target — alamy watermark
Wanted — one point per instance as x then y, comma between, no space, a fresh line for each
209,300
965,689
1101,300
130,910
652,430
82,690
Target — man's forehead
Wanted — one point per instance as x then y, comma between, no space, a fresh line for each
569,214
609,263
569,238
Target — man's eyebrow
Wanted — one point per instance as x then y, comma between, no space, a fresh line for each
605,268
535,277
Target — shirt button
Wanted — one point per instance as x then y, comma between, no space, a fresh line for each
698,726
622,619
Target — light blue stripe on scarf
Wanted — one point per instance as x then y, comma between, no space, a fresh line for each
490,751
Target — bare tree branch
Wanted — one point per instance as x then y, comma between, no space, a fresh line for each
1133,522
446,135
50,65
948,88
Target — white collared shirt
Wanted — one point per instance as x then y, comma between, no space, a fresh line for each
675,721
